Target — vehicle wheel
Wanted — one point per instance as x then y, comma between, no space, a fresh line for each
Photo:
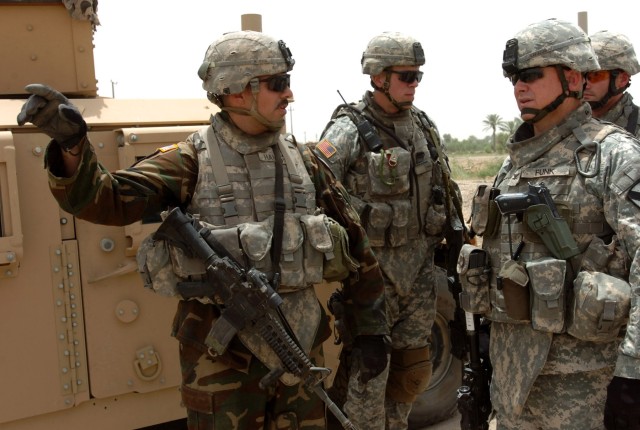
438,402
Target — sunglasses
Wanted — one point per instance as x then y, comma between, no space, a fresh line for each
597,76
527,75
278,83
408,76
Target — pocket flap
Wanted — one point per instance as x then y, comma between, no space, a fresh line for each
256,238
318,232
515,272
401,210
380,215
292,236
547,277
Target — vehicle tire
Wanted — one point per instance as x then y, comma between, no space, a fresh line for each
438,402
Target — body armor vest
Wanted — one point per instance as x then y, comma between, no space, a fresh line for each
397,184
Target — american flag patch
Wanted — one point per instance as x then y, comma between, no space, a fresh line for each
327,148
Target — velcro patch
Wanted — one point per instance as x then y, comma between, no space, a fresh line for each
168,148
634,194
326,148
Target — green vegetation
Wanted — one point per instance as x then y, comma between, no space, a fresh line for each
475,166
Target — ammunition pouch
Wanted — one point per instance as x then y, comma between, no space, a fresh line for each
473,268
599,308
547,276
554,232
389,171
485,215
514,282
388,224
410,371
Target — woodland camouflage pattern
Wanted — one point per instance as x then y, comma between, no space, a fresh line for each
525,361
168,178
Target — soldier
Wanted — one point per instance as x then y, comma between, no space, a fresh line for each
229,175
389,156
606,88
559,271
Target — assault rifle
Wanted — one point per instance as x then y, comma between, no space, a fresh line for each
250,303
543,218
474,403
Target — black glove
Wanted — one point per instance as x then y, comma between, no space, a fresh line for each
54,114
373,353
622,408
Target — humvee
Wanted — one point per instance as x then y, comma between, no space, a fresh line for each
83,344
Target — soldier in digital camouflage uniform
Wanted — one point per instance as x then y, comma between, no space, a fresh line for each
560,286
226,175
606,89
399,181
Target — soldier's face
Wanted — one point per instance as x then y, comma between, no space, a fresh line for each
597,85
403,83
273,97
539,92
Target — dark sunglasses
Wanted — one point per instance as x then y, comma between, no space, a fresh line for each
278,83
597,76
408,76
527,75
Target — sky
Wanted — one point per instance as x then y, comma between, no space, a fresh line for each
151,49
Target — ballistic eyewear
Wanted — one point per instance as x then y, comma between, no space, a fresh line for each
408,76
527,75
597,76
278,83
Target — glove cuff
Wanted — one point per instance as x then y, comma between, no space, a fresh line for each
71,143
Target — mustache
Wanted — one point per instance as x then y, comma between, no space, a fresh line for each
283,104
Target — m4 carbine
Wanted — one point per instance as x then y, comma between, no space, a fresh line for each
250,303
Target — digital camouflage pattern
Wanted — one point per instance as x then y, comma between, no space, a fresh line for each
620,113
391,49
552,42
237,57
404,229
83,10
531,368
615,51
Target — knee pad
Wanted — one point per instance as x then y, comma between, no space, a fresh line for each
409,373
285,421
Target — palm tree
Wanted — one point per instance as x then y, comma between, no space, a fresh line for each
492,122
510,127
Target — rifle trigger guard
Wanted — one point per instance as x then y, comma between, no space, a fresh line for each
596,169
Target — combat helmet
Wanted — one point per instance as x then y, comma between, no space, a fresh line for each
615,51
551,42
233,60
391,49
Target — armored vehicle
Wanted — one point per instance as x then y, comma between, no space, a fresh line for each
83,344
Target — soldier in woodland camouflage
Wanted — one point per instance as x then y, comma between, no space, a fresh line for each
229,176
565,343
606,89
398,178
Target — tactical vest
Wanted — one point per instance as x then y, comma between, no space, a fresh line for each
579,206
233,188
397,184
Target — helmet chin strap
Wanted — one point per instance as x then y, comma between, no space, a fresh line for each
611,91
253,112
541,113
385,89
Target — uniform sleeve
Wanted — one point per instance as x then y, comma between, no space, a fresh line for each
339,147
622,212
164,179
365,289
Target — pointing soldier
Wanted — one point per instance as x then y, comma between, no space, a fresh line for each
229,177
